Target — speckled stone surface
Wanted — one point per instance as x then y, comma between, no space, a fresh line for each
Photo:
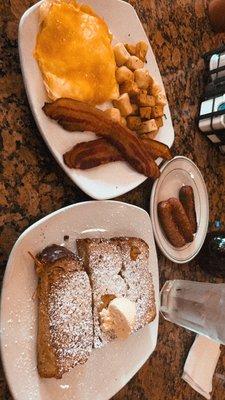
32,185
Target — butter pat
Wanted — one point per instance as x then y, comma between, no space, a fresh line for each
119,317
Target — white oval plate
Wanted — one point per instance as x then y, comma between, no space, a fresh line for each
106,181
175,173
107,369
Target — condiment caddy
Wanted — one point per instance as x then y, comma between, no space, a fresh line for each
211,119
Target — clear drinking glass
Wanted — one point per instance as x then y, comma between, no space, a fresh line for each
197,306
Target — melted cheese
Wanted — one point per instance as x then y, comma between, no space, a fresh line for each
74,53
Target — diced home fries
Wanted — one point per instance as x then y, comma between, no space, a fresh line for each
123,104
121,54
133,122
134,63
139,50
141,102
145,112
114,114
124,74
148,126
144,99
135,109
129,87
142,78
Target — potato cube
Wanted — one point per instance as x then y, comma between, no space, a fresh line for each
160,98
159,94
124,74
150,101
150,135
151,81
114,114
141,50
159,122
143,91
157,111
121,54
129,87
133,123
145,100
134,63
148,126
123,121
123,104
156,89
141,97
134,109
145,112
142,78
131,48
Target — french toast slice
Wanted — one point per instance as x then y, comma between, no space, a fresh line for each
136,273
103,261
118,267
65,326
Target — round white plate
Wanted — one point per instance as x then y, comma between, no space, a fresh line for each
108,369
175,173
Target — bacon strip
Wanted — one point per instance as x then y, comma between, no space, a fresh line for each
156,149
91,154
97,152
131,148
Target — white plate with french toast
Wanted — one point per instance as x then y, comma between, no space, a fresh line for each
102,174
48,331
179,210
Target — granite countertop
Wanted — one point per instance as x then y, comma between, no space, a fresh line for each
32,185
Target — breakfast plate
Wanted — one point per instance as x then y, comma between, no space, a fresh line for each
105,181
109,368
176,173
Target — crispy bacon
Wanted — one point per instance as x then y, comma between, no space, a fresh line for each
91,118
156,149
91,154
97,152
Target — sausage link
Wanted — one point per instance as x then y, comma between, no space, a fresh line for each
186,196
168,224
181,219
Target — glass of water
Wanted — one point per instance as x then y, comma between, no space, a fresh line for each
197,306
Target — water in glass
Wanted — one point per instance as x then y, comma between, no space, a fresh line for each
197,306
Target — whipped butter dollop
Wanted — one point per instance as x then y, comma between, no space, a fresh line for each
119,316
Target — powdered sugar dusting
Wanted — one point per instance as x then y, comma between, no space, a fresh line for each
70,316
138,279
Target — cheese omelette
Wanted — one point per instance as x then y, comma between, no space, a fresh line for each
74,53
